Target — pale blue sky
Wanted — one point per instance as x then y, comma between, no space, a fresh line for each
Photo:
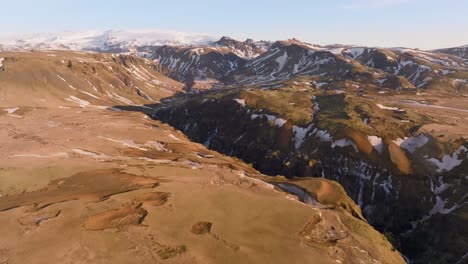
425,24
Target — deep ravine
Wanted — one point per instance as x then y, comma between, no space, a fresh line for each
403,207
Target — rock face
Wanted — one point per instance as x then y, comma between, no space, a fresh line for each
389,167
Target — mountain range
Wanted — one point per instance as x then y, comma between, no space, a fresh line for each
362,135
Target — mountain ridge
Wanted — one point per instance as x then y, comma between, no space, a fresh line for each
144,36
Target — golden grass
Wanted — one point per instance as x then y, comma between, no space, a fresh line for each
289,103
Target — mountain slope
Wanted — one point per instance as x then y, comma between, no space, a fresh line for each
286,59
198,64
461,52
82,78
386,68
419,67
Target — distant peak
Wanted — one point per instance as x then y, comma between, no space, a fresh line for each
291,41
105,40
225,38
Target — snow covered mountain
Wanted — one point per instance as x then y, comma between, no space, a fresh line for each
115,41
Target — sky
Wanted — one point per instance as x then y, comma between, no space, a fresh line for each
425,24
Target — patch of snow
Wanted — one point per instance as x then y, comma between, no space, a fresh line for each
81,102
281,60
356,52
450,161
433,106
90,94
344,142
320,84
439,207
90,153
59,154
399,141
158,161
269,117
388,107
441,187
279,122
257,181
241,102
69,85
122,99
460,81
300,134
323,135
337,51
126,143
11,110
155,144
173,137
376,142
413,143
